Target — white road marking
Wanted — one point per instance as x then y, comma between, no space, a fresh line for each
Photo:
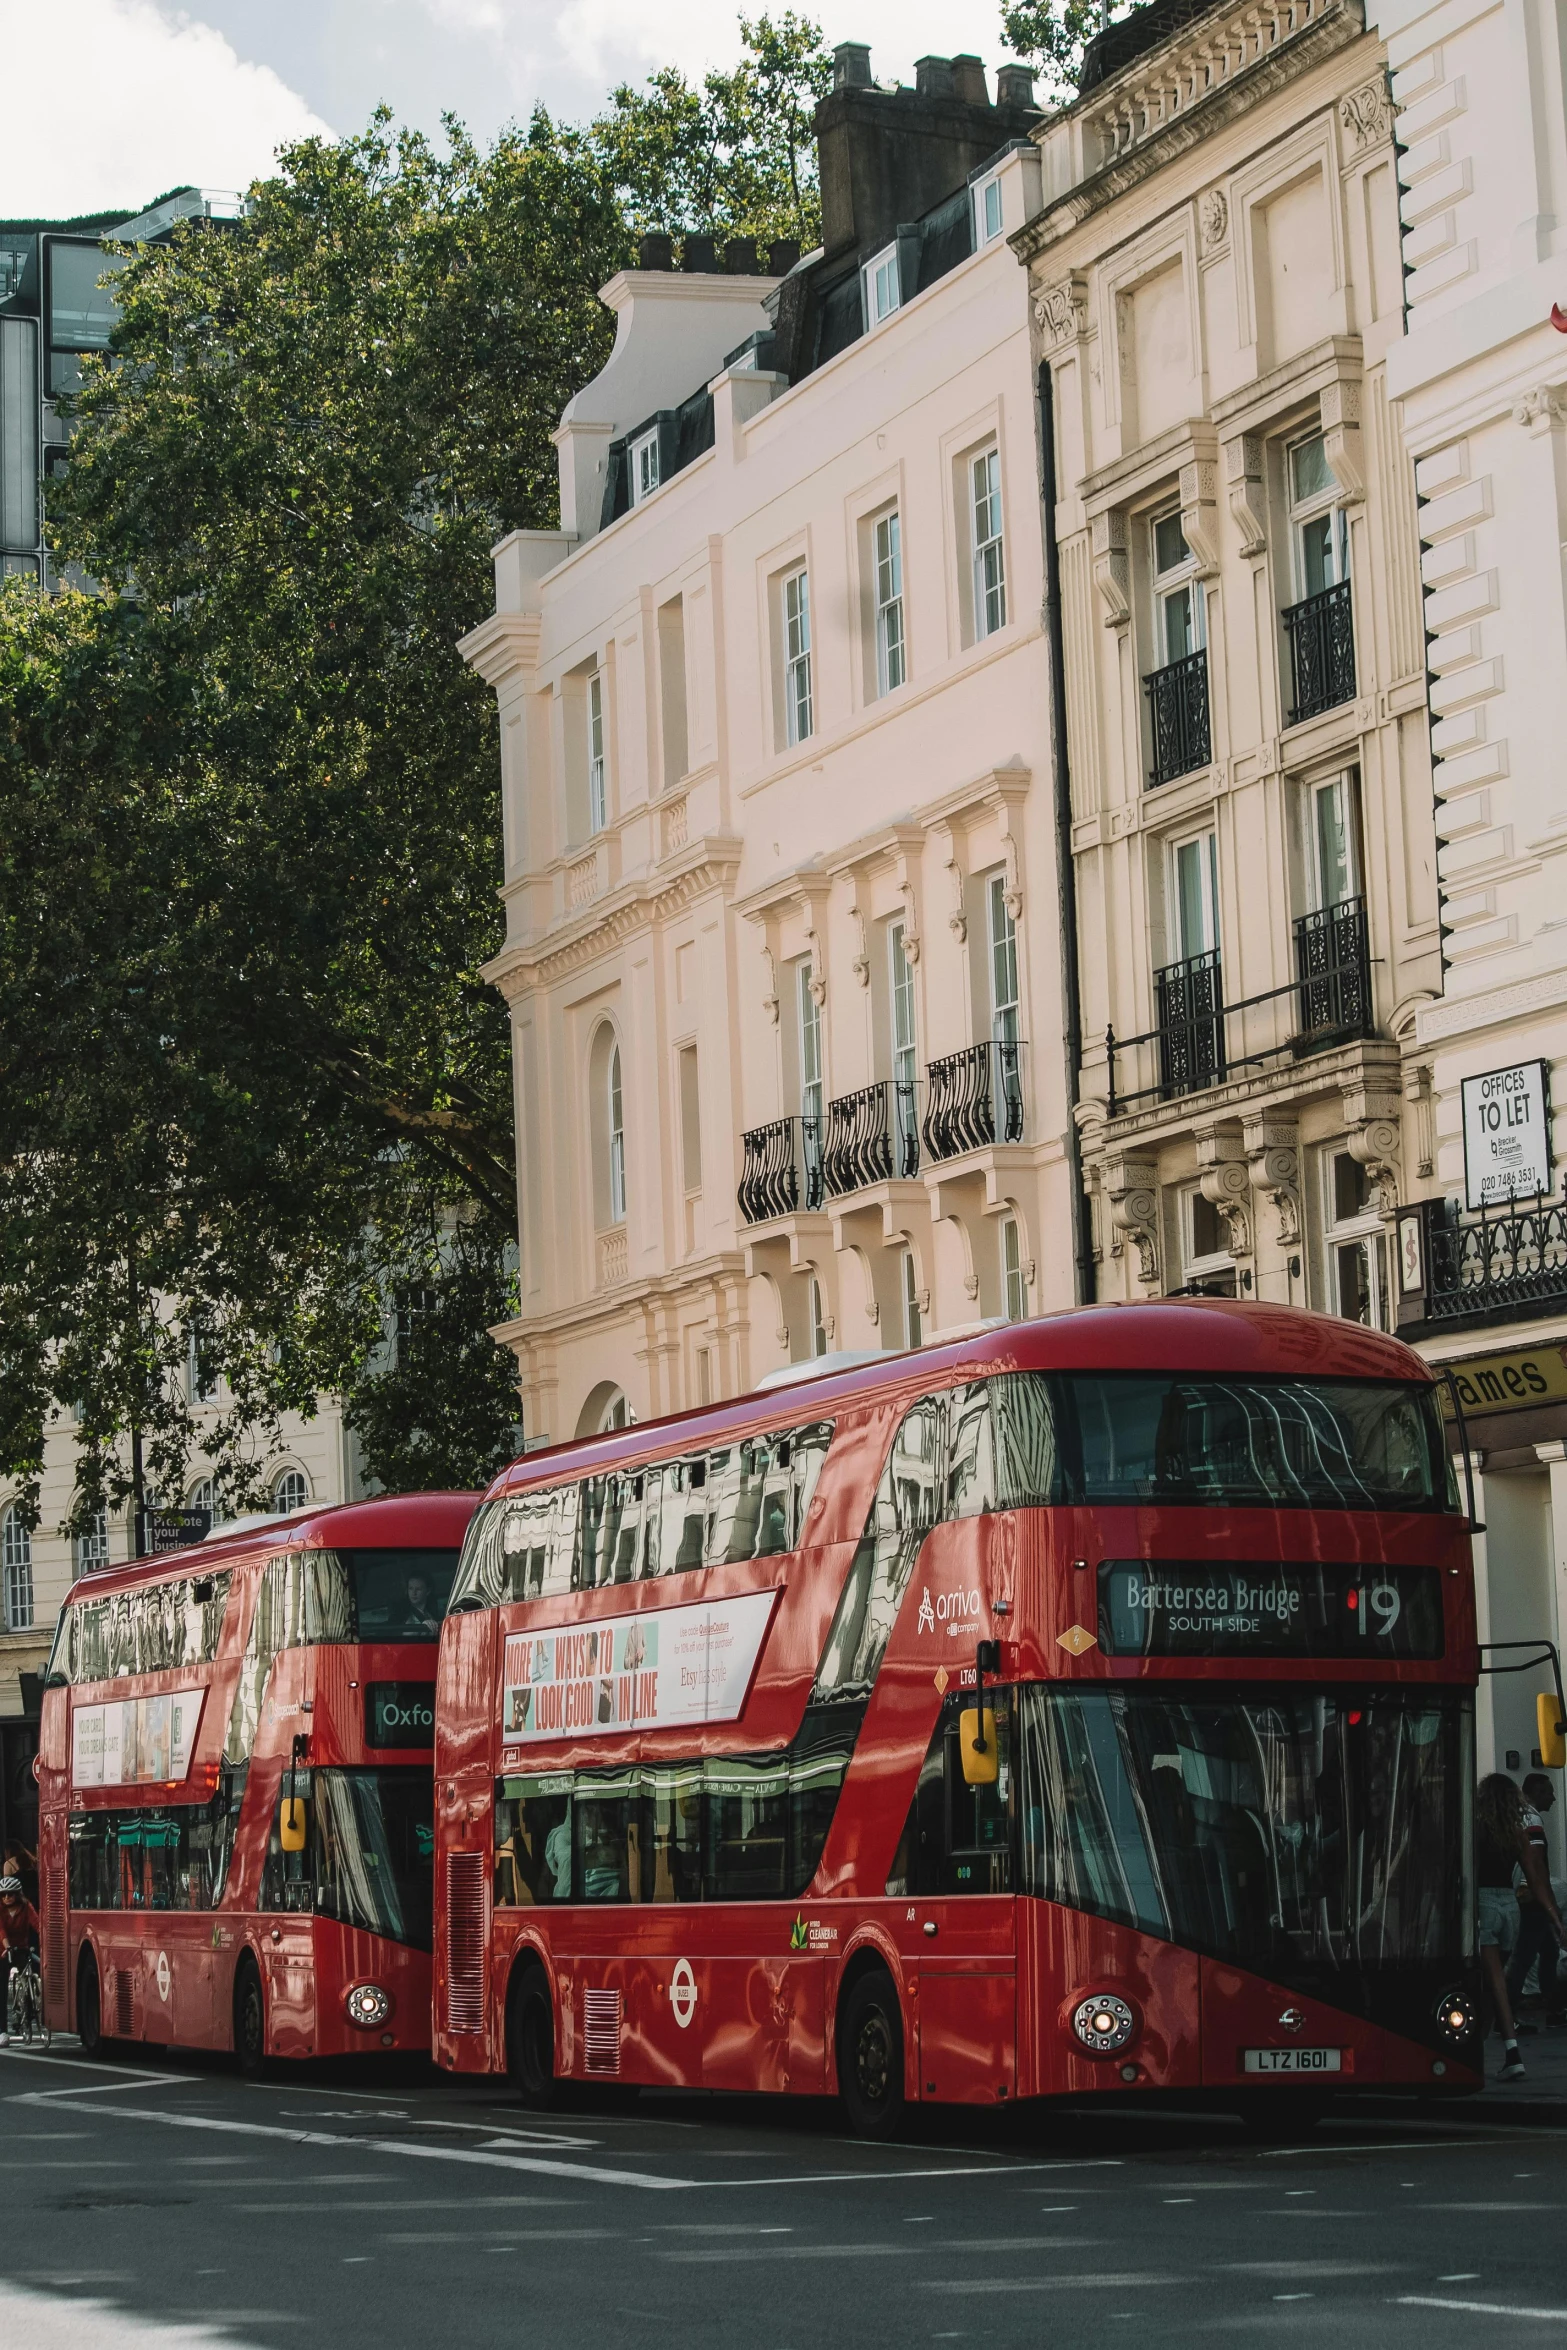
1054,2284
877,2178
1480,2308
47,2321
94,2064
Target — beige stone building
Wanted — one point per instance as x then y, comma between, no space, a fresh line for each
783,946
1216,284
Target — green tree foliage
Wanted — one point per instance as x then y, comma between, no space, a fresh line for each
1052,35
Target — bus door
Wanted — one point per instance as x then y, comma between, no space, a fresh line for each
767,1955
968,1963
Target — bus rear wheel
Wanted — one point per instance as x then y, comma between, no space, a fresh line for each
530,2039
89,2006
870,2056
250,2020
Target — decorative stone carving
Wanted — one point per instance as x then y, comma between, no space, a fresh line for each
1541,410
1341,435
1224,1180
1061,310
1367,115
770,997
1375,1138
1213,218
1131,1187
1112,568
1272,1148
1243,482
1200,512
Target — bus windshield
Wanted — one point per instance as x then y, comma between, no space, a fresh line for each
374,1842
1276,1829
398,1595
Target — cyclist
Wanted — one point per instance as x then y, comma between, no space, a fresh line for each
18,1939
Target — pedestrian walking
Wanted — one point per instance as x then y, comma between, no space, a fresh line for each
1502,1843
1536,1944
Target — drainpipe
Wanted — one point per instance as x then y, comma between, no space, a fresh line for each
1066,877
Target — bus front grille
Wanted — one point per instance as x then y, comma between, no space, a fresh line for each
601,2031
465,1941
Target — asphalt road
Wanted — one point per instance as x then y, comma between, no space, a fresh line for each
169,2201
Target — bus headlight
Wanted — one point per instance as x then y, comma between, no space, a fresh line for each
368,2005
1103,2023
1454,2015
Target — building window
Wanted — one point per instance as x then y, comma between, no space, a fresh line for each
810,1034
1194,875
1003,963
797,656
1332,850
890,665
92,1547
292,1491
987,210
1355,1241
818,1318
617,1142
203,1495
990,579
644,466
16,1564
911,1301
598,806
1318,525
905,1054
1207,1267
201,1380
883,293
690,1121
1014,1303
617,1413
1180,618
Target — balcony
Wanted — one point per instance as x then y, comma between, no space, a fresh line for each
1322,652
1201,1040
781,1170
1178,717
872,1137
974,1099
1497,1263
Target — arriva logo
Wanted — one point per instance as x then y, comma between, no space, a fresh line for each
956,1609
927,1621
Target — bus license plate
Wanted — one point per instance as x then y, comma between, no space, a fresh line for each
1294,2060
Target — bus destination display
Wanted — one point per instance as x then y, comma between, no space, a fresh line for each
1200,1607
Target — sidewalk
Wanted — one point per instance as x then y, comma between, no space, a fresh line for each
1544,2086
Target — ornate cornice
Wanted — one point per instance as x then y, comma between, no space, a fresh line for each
503,646
711,864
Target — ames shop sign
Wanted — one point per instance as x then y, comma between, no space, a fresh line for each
1528,1376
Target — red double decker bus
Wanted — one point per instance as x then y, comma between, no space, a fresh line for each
718,1805
235,1833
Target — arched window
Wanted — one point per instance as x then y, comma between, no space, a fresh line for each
92,1547
617,1143
604,1409
292,1490
607,1127
16,1565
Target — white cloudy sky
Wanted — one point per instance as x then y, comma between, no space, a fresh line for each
120,99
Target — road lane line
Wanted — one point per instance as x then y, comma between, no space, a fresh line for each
1053,2284
1479,2308
93,2064
986,2170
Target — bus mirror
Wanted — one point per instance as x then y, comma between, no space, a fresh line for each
1552,1730
291,1830
979,1759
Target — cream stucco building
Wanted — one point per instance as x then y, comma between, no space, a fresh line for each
783,946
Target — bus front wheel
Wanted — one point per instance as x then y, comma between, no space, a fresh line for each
89,2006
530,2039
870,2056
250,2020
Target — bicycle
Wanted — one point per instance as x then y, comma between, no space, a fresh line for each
25,2002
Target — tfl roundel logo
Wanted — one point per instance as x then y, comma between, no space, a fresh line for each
682,1992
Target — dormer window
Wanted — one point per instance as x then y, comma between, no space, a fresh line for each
883,294
987,210
644,466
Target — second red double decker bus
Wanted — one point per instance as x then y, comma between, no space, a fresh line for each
718,1803
235,1834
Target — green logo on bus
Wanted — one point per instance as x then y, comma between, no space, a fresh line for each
797,1933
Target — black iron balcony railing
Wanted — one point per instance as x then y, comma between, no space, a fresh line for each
1197,1043
1509,1257
1322,651
872,1136
781,1169
1178,717
974,1099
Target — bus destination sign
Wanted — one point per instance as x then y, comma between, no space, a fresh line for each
1195,1607
635,1672
400,1713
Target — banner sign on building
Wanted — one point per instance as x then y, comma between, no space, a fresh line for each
1507,1135
136,1742
641,1672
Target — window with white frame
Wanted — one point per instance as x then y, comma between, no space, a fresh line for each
1014,1301
16,1571
201,1381
1319,528
797,656
291,1491
1354,1243
883,292
888,545
92,1545
1194,894
987,210
598,805
1180,620
1332,845
812,1098
905,1051
1003,962
644,466
203,1495
818,1318
911,1300
617,1142
990,574
1206,1263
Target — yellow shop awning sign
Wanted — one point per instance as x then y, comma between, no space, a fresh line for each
1508,1383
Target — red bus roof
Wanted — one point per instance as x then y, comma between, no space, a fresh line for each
392,1521
1211,1334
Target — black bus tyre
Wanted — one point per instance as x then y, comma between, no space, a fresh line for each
870,2056
89,2005
250,2020
530,2039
